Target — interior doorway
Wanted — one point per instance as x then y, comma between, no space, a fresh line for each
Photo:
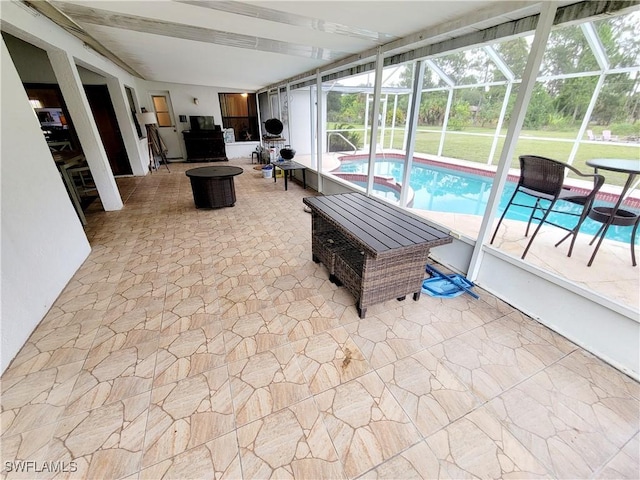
57,128
167,129
54,118
108,128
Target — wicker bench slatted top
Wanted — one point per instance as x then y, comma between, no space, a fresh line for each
391,244
378,228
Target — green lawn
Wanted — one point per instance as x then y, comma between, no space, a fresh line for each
476,148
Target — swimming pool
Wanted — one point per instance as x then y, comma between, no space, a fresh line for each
452,190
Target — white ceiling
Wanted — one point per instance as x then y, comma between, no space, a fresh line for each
249,45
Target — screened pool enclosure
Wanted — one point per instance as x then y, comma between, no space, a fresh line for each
455,101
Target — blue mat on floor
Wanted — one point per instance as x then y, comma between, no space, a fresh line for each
446,286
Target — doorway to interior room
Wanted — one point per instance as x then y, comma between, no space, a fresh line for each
108,128
166,124
58,131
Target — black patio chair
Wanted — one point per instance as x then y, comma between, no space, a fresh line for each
543,179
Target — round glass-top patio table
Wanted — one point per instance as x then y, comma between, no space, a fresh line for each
615,215
213,186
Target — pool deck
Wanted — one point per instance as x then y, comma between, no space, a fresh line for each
611,274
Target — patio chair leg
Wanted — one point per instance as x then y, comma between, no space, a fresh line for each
533,212
574,232
503,215
542,221
597,234
564,238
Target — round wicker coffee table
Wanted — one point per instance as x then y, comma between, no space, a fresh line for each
213,186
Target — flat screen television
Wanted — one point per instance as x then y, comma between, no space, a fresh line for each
51,117
201,123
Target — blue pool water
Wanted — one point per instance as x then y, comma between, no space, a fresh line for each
447,190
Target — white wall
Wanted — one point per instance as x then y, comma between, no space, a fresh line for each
182,96
240,149
42,240
299,107
608,330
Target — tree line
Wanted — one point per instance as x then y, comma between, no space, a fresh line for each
556,103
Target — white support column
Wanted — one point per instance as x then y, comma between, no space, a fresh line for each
503,111
585,120
319,126
71,86
366,119
312,126
377,88
259,119
393,120
412,122
279,104
139,165
405,142
447,111
601,57
510,76
383,122
543,29
450,84
288,99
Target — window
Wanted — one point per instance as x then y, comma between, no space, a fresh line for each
161,106
239,112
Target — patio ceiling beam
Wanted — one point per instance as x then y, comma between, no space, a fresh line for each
165,28
70,26
293,19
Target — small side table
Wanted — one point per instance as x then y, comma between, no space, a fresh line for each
213,187
288,166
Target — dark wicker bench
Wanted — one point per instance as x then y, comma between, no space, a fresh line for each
377,251
326,243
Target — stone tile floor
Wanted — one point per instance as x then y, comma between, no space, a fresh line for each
207,344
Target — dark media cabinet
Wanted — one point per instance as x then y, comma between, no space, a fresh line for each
205,145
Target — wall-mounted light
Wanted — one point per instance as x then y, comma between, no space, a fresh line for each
244,95
196,101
